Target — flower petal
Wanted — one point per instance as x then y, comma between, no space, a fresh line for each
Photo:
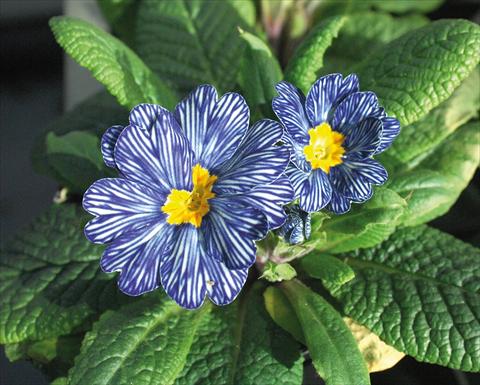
109,139
297,154
214,128
353,179
141,273
223,284
182,269
297,179
339,204
269,199
120,206
326,93
391,129
256,162
316,192
352,110
160,158
289,107
230,229
119,253
364,139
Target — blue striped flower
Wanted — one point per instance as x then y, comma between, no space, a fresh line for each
297,228
197,187
333,134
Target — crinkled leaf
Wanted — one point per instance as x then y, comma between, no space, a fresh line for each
418,139
419,291
362,34
94,115
434,185
50,280
147,341
54,356
308,58
190,42
396,6
327,268
332,347
416,72
76,158
239,344
274,272
365,225
259,71
377,354
111,62
282,312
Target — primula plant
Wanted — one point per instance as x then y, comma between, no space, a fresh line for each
250,195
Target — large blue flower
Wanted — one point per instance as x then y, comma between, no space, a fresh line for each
333,134
197,187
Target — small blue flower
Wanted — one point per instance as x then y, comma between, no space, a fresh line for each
297,228
197,187
333,134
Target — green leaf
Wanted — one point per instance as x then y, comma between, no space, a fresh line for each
332,347
416,72
434,185
60,381
365,225
111,62
418,139
190,42
362,34
94,115
259,71
50,281
327,268
420,292
308,58
54,356
147,340
273,272
77,159
396,6
121,15
239,344
282,312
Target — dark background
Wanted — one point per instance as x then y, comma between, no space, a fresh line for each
31,95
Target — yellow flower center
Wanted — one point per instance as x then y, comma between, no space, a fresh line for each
190,206
325,147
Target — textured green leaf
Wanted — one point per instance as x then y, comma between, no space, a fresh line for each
54,356
364,225
418,139
60,381
259,71
239,344
274,272
95,115
111,62
190,42
407,5
120,14
333,7
434,185
327,268
308,58
420,292
77,159
416,72
282,312
147,341
332,347
362,34
50,281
